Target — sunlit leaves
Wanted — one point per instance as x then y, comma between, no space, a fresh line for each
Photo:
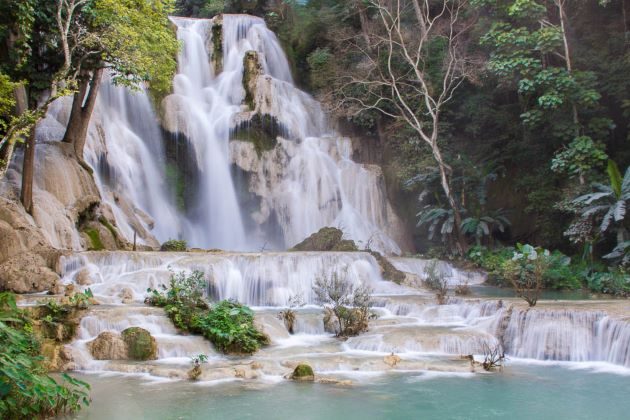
136,41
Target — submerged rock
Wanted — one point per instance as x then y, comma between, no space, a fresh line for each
83,277
126,295
392,360
303,372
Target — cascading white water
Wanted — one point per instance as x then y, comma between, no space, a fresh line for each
310,180
207,105
268,279
452,274
409,323
576,336
126,151
307,181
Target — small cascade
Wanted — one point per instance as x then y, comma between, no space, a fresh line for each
268,279
453,275
409,322
576,336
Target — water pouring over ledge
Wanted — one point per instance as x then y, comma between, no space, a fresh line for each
307,181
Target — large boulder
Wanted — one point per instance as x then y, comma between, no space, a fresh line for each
27,272
108,346
303,372
140,344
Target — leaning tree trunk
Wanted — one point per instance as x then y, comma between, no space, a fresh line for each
82,108
28,171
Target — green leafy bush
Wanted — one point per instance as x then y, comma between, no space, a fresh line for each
561,272
615,282
230,327
526,271
492,261
25,388
174,245
227,324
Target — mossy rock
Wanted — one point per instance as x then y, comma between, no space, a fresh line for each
346,245
303,372
174,245
95,240
261,130
140,344
326,239
388,271
251,70
217,44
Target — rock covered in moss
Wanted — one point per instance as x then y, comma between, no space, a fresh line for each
303,372
174,245
345,245
326,239
388,271
140,344
251,70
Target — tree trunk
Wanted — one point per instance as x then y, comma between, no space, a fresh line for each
7,145
363,19
460,242
28,171
82,108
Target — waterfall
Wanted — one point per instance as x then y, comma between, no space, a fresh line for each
127,153
307,182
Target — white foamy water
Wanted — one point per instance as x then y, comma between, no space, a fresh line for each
409,323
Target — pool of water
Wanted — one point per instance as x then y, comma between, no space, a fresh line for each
520,391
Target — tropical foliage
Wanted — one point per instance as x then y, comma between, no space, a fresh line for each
26,390
227,324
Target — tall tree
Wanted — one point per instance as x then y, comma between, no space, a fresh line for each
130,39
530,50
412,71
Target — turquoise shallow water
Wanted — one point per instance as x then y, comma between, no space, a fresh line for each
519,392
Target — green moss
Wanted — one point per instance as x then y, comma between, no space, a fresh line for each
108,226
324,239
174,245
140,344
217,46
251,70
95,239
303,372
177,185
345,245
261,130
